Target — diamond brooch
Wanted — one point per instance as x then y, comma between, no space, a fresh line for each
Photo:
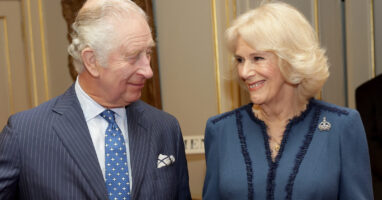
324,125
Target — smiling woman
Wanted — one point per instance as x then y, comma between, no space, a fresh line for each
284,144
260,73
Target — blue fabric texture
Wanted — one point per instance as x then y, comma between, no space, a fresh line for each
116,168
313,163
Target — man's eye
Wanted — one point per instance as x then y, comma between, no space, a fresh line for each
257,58
132,58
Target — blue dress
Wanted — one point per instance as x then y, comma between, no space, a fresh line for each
323,155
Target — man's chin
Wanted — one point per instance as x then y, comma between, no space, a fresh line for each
132,99
122,102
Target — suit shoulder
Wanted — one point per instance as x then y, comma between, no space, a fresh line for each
35,117
227,115
39,110
374,84
47,106
155,113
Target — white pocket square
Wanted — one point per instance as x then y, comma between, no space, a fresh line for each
165,160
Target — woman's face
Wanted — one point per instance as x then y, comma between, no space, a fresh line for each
260,72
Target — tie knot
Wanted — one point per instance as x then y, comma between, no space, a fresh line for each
108,115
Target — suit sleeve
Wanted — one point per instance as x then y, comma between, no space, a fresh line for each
9,163
211,181
182,170
355,179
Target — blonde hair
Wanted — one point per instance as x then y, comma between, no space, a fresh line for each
95,27
281,29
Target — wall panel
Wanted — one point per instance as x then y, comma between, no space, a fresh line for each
358,42
187,70
16,93
331,38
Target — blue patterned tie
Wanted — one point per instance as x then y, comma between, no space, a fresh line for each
116,168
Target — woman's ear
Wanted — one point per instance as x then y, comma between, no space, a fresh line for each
90,62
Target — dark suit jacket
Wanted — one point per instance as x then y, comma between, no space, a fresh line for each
369,105
47,153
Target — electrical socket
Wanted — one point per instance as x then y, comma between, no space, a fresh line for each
194,144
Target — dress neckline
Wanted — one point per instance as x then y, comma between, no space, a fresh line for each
274,164
294,119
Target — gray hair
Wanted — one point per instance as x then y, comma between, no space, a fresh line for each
95,27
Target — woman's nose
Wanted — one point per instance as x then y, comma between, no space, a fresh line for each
246,70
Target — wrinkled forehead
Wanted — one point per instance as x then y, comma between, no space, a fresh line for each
134,34
133,26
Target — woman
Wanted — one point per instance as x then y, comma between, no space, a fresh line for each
285,144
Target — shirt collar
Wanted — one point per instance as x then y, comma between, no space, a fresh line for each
91,108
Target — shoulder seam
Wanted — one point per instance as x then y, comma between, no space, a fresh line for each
214,121
331,108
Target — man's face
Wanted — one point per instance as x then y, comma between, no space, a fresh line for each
127,66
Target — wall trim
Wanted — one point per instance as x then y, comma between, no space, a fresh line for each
8,63
216,54
43,50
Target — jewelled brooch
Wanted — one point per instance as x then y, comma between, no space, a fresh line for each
324,125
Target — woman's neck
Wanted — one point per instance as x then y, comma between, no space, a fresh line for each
281,110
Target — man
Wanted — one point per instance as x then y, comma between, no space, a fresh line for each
369,105
98,140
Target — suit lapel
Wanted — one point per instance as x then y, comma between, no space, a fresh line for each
72,129
139,142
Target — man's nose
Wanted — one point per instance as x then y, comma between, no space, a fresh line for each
145,68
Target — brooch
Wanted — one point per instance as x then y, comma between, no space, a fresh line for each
324,125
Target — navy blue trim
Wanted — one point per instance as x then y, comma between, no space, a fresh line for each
301,154
271,177
273,165
224,115
244,150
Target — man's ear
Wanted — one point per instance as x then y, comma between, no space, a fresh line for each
90,62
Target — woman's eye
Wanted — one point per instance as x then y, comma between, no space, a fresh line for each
239,60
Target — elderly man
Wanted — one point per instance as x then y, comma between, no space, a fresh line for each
98,140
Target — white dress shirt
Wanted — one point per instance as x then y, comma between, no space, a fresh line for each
97,126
